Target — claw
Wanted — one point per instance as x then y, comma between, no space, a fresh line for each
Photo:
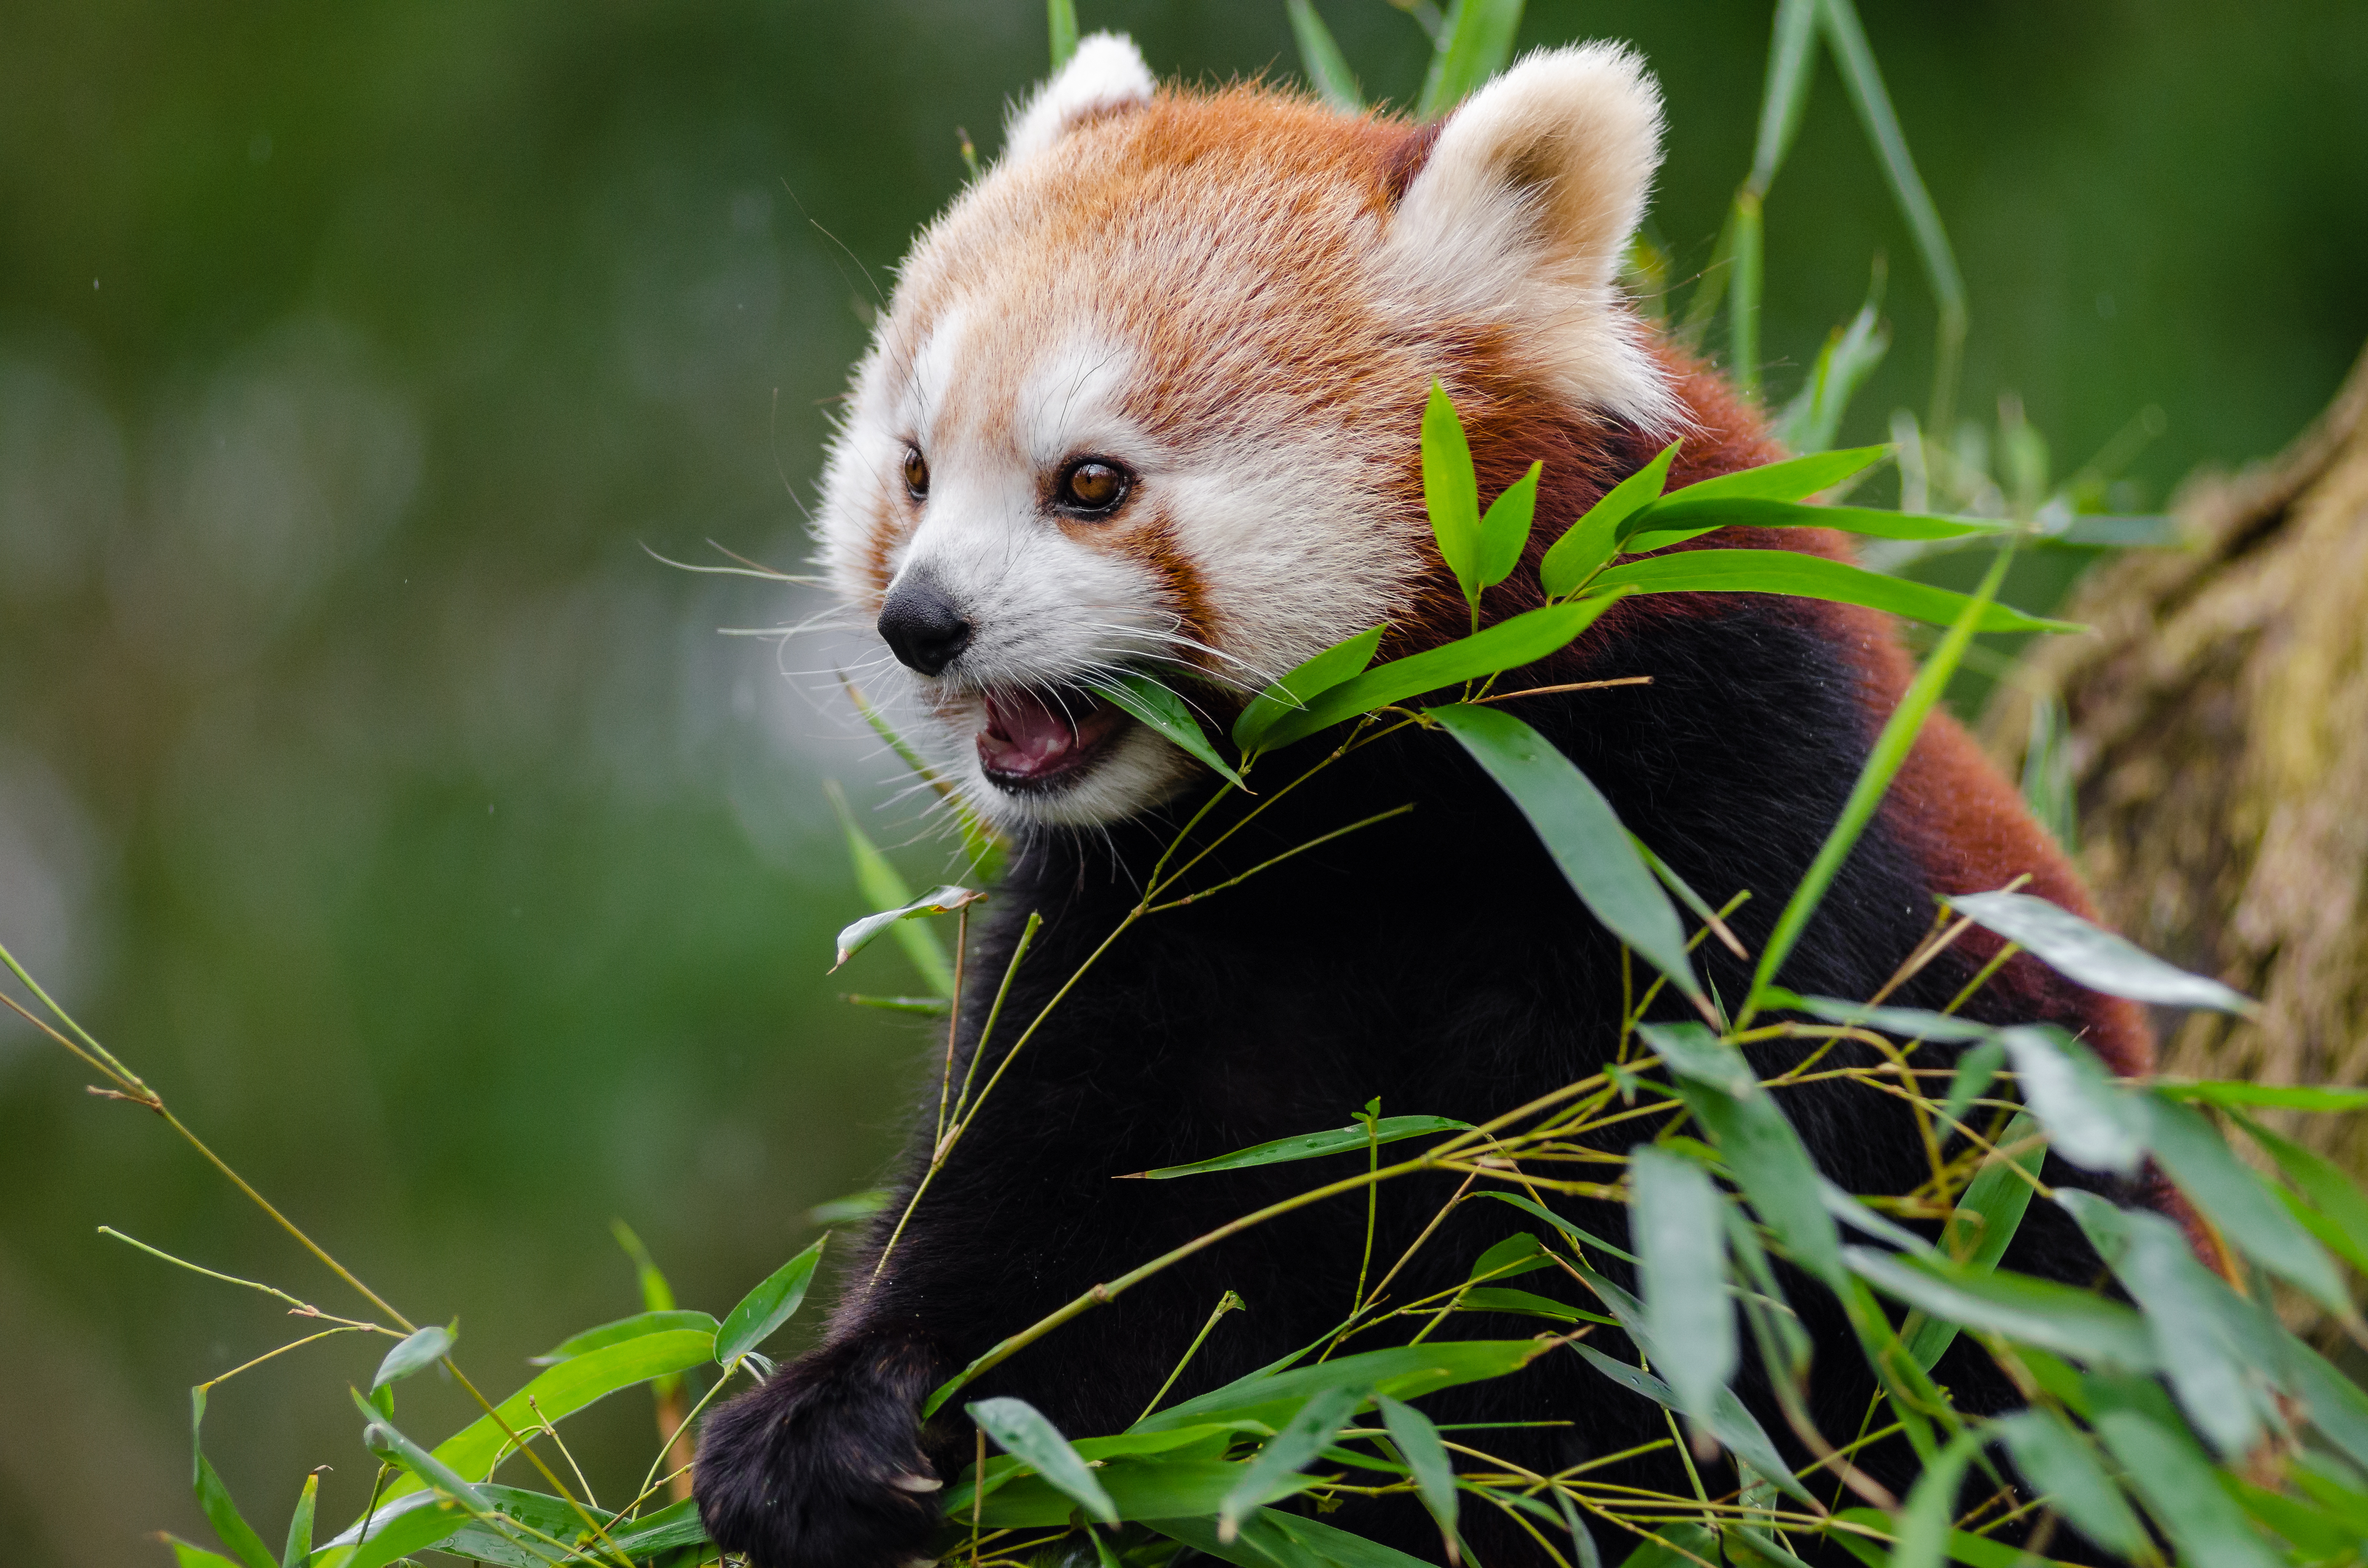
916,1483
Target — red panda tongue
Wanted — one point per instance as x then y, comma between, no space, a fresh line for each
1029,735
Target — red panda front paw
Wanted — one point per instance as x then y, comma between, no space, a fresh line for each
822,1467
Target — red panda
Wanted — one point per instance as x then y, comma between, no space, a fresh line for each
1146,398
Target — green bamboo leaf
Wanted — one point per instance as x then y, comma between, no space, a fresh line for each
666,1529
1303,683
1676,1223
2055,1317
1681,1545
1851,351
560,1392
886,890
1791,573
1924,1523
1060,22
1981,1226
1157,1490
2093,956
2339,1204
1517,1254
1320,57
854,1206
767,1308
2206,1336
1308,1433
381,1436
1590,541
1523,1304
621,1330
1681,518
214,1499
2209,1173
1583,1238
1505,529
1476,40
2056,1458
1906,1023
1434,1472
1019,1427
1508,645
2283,1097
854,938
1863,81
1312,1145
487,1538
1272,1538
1581,832
186,1554
2093,1122
1155,705
422,1347
399,1526
300,1524
2338,1405
1451,490
2181,1490
1692,1052
1408,1371
1794,479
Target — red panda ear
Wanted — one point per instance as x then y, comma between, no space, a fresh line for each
1106,75
1523,210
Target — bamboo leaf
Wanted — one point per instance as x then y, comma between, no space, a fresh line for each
2337,1201
214,1499
1676,1223
767,1308
1504,528
1434,1472
1476,40
1580,831
1977,1070
1680,517
1019,1427
1314,1146
300,1524
2202,1339
1583,1238
2209,1173
1308,1433
1791,573
422,1347
1850,354
1320,57
2177,1483
886,890
2058,1460
1924,1523
1906,1023
2055,1317
2283,1096
1155,705
1452,492
1981,1226
2093,1122
188,1555
624,1330
1787,92
854,938
1589,542
1794,479
2093,956
1408,1371
1061,23
381,1437
1508,644
1303,683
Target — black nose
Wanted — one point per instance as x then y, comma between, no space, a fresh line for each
921,624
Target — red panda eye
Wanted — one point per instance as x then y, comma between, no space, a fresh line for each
917,475
1093,485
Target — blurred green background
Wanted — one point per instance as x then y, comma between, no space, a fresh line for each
366,785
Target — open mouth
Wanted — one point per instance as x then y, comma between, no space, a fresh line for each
1038,740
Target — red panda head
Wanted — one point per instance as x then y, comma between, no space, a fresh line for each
1148,393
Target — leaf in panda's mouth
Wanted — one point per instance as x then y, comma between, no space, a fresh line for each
1035,738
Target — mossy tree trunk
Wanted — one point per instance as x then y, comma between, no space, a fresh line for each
2218,743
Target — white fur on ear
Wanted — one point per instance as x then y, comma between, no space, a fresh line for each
1106,73
1523,214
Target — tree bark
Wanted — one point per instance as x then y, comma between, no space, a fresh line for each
2218,743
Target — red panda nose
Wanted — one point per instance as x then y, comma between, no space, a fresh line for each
921,624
